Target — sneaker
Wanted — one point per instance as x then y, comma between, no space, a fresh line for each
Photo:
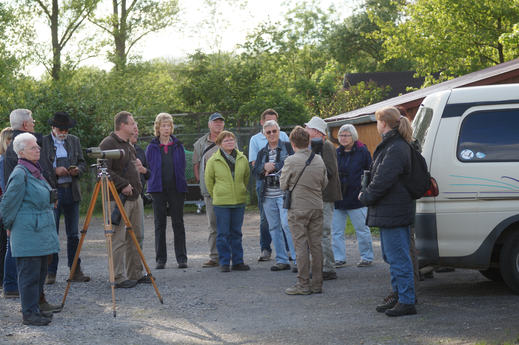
182,265
339,264
329,275
299,290
240,267
389,302
144,280
50,308
36,320
317,290
364,263
225,268
160,265
210,263
265,255
46,314
51,279
294,269
126,284
79,276
401,309
280,267
11,294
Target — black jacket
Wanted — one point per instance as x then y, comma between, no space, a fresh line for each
144,177
390,205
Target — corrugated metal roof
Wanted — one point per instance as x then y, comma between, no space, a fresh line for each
487,76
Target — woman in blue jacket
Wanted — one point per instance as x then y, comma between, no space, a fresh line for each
168,186
28,215
353,158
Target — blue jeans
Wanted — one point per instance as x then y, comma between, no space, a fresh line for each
31,276
228,237
71,214
358,219
265,239
278,225
395,251
10,271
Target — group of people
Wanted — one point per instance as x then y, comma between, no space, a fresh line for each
306,190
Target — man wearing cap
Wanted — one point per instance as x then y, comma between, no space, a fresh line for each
317,129
203,150
64,154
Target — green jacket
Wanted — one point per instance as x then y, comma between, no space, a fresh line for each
219,181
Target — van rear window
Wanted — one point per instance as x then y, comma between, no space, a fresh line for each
489,136
421,123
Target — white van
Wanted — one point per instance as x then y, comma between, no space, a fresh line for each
470,140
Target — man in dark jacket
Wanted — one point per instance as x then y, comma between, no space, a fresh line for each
65,156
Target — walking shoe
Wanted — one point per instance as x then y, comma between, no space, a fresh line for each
240,267
210,263
329,275
50,308
225,268
364,263
339,264
265,255
294,269
280,267
126,284
11,294
401,309
79,276
389,302
160,265
51,278
144,280
182,265
46,314
317,290
36,320
299,290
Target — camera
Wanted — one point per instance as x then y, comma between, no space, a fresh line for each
317,146
53,196
147,199
272,181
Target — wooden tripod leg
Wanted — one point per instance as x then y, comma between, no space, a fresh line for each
83,233
111,266
132,234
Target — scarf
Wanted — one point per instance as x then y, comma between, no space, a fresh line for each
231,161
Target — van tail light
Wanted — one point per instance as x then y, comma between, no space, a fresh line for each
434,190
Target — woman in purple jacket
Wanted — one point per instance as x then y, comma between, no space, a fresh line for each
168,186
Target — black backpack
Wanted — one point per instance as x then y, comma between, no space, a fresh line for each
419,180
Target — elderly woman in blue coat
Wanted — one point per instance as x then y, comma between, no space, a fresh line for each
27,212
168,186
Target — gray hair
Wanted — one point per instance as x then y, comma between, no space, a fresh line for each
350,128
270,123
18,117
21,140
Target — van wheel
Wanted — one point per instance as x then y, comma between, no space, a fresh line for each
493,273
509,262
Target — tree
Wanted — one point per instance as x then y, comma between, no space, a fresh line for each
453,36
132,20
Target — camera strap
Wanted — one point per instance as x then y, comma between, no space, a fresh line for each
312,155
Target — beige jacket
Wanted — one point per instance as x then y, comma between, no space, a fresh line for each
307,194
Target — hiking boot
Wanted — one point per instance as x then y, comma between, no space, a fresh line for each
160,265
339,264
46,314
144,280
36,320
210,263
401,309
317,290
364,263
389,302
240,267
225,268
329,275
299,290
50,308
126,284
280,267
182,265
265,255
11,294
78,276
51,278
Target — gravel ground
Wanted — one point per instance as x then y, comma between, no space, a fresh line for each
205,306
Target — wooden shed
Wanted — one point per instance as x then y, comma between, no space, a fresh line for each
364,118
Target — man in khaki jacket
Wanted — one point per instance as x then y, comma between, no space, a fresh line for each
305,216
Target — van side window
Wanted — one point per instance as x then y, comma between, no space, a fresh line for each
489,136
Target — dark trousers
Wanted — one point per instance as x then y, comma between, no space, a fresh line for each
3,250
31,277
176,206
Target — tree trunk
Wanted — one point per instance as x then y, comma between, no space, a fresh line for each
120,34
56,48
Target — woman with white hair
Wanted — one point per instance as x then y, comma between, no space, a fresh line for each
353,158
27,213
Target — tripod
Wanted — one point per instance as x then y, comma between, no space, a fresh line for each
105,184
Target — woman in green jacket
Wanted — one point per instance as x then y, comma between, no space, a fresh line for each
226,177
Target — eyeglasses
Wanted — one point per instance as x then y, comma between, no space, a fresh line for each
344,135
274,131
31,120
228,141
34,148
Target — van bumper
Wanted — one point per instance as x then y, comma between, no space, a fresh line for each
427,239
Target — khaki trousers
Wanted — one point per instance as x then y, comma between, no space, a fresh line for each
211,220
